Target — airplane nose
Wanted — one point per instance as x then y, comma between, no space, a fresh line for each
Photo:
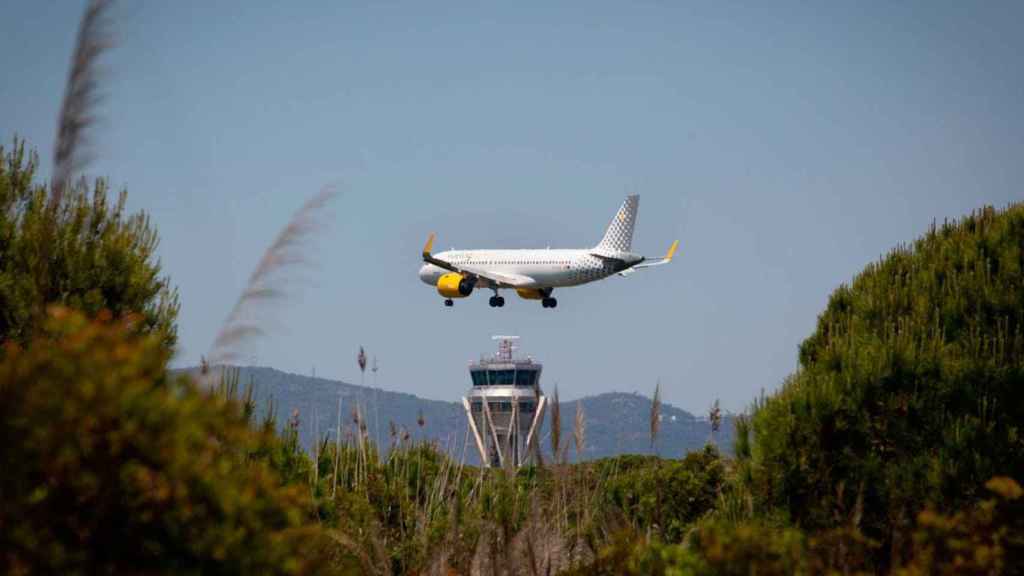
425,274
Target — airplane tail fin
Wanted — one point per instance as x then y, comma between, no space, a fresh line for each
619,236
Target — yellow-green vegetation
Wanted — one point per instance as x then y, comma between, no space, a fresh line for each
96,257
417,510
110,467
983,539
987,538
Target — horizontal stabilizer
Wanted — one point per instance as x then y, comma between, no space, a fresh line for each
651,263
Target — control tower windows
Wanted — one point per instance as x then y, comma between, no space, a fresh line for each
526,377
502,377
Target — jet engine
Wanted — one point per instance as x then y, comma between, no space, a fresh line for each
529,293
454,285
532,293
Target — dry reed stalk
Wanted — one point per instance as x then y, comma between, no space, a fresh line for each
76,116
435,493
70,153
556,425
337,451
419,469
655,414
267,282
715,417
579,430
357,473
315,424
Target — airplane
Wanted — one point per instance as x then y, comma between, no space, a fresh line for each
534,274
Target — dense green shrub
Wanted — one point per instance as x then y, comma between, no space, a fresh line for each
98,258
712,548
908,394
986,538
108,467
660,495
405,512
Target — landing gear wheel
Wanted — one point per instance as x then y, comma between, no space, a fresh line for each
549,303
493,301
449,303
499,301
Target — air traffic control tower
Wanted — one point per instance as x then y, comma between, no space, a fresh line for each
505,406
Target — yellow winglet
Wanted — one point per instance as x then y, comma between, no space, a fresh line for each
428,246
671,251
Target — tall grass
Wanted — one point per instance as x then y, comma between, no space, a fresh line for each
268,282
77,114
78,107
655,418
415,509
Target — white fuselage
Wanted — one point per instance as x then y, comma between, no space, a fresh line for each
547,268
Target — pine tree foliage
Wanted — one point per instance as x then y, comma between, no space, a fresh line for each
909,391
98,257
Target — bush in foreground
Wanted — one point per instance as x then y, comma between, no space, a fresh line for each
109,467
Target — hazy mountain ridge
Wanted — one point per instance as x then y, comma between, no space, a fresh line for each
614,422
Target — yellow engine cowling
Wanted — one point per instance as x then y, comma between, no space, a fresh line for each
454,285
530,293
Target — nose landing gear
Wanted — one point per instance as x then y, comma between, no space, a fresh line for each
549,302
496,302
448,302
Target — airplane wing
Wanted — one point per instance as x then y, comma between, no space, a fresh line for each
645,263
499,279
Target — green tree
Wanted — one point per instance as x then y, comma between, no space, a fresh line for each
908,394
99,260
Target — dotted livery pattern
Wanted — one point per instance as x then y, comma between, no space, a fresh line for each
619,236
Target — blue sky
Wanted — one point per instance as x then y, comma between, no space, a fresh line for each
786,146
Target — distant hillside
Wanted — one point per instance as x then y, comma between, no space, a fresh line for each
616,423
619,423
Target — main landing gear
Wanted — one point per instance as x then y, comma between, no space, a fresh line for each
448,302
549,302
496,301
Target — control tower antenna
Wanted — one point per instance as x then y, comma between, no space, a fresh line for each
506,344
